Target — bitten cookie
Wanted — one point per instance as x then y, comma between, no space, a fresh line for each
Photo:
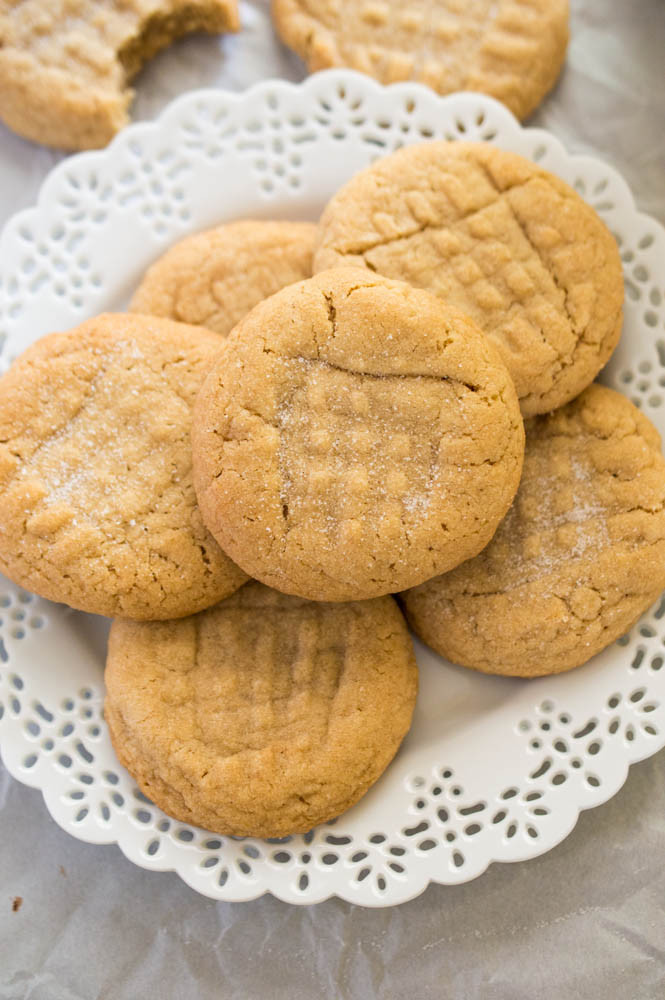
264,715
65,64
508,243
510,49
577,560
358,434
97,506
214,278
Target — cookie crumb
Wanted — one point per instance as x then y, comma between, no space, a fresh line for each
17,903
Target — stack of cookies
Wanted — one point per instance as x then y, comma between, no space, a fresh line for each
397,401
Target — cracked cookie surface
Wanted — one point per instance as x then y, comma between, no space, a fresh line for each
97,505
65,64
579,557
510,49
214,278
265,714
508,243
359,434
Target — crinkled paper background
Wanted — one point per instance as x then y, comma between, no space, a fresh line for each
586,920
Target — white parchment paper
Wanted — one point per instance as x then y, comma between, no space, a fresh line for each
585,921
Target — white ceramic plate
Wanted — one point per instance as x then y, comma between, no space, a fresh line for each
494,769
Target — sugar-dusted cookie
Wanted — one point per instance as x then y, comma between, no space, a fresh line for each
358,434
577,560
264,715
214,278
97,506
510,49
510,244
65,64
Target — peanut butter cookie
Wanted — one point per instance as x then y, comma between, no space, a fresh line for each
97,506
264,715
509,244
510,49
580,556
214,278
65,64
358,434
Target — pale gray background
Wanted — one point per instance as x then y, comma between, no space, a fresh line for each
586,920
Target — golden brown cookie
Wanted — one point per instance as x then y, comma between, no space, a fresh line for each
65,64
577,560
359,434
510,244
264,715
214,278
97,506
510,49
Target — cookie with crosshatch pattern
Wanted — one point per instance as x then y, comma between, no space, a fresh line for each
580,556
505,241
65,65
265,714
97,505
214,278
358,434
510,49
